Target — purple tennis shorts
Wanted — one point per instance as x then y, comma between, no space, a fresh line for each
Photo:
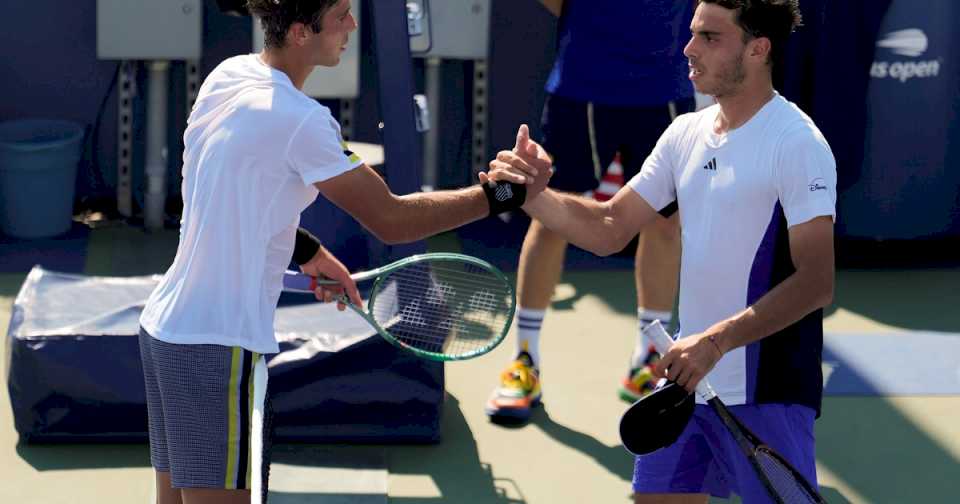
706,458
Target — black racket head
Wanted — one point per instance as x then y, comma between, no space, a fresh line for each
656,420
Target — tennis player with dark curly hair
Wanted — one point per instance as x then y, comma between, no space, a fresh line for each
754,182
257,152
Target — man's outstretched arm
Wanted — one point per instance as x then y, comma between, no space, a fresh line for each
363,194
603,228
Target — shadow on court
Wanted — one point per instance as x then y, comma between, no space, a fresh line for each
453,465
920,299
614,459
868,442
451,470
881,454
58,457
615,288
9,286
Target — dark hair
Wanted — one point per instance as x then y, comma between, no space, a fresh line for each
276,17
772,19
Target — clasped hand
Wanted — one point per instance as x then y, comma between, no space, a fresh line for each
528,163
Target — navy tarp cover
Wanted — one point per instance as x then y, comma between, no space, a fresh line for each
74,368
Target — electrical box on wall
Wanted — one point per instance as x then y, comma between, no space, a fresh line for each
341,81
149,29
451,29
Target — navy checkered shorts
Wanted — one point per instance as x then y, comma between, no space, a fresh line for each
208,414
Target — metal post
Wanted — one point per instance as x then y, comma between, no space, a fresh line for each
431,143
193,84
346,118
155,167
479,123
126,86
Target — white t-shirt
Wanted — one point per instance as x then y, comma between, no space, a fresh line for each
253,147
737,193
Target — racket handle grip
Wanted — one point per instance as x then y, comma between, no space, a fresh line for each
655,332
663,342
298,282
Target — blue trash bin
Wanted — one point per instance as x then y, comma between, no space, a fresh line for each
38,172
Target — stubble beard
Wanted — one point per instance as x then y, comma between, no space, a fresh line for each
729,78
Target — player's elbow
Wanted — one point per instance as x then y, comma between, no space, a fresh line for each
390,234
393,238
826,296
824,290
385,228
385,221
613,230
611,241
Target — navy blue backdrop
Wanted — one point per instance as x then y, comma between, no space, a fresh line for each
910,185
892,136
888,112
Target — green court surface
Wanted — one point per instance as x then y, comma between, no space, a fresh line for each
872,449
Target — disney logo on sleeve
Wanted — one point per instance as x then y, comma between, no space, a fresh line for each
817,184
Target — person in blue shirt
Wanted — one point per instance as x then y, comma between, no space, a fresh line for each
618,80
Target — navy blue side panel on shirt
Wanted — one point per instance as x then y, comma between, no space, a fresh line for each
618,52
784,367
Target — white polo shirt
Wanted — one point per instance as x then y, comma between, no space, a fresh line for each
737,195
253,147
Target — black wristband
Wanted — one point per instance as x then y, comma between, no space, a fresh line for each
305,247
505,196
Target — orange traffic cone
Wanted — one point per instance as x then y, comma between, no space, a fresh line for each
611,182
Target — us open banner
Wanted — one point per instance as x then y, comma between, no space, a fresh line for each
910,181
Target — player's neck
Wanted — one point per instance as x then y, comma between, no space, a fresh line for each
288,62
738,108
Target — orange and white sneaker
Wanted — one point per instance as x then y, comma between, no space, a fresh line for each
639,381
518,393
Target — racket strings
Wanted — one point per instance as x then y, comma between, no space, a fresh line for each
443,307
787,484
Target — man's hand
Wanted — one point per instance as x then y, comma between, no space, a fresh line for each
689,360
528,163
325,265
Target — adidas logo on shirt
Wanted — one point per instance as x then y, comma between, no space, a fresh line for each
712,165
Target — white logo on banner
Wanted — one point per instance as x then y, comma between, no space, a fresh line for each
909,42
912,42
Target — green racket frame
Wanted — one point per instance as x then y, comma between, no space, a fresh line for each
379,274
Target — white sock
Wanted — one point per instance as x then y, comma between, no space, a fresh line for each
528,324
642,347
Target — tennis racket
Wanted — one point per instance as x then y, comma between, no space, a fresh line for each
784,483
439,306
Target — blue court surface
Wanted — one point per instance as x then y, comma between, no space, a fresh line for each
917,363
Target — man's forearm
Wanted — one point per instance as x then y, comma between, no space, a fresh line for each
417,216
785,304
584,222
